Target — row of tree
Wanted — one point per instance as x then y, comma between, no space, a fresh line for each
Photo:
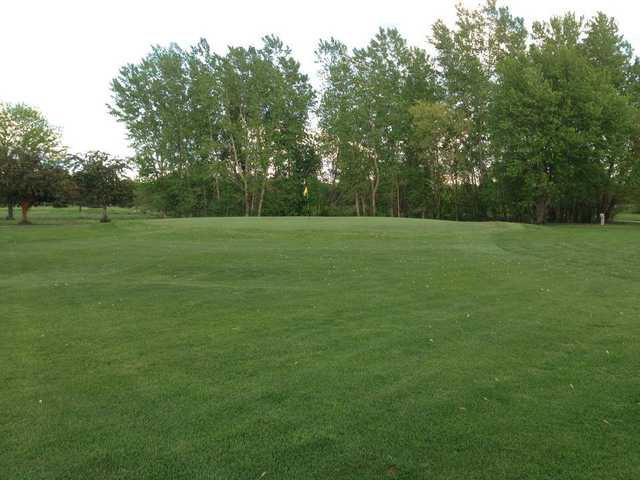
500,123
209,128
34,168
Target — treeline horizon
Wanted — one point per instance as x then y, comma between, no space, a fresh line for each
499,123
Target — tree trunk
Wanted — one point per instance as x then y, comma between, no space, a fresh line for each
24,206
217,183
246,197
398,198
104,218
610,207
10,212
357,206
374,187
455,198
252,208
541,210
374,191
392,200
264,186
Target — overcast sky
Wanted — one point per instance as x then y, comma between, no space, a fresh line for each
61,55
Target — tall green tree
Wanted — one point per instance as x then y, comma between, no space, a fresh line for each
337,120
562,127
152,99
364,111
525,120
265,107
500,123
101,181
30,149
467,56
241,117
439,133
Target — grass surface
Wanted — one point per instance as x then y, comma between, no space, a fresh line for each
628,217
72,215
309,348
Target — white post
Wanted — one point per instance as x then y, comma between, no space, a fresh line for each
602,219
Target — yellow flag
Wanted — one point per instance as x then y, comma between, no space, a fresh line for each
305,194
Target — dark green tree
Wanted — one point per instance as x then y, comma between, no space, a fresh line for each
563,128
29,145
466,57
101,181
239,118
364,112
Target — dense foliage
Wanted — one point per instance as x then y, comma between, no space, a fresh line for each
500,123
35,169
30,151
214,133
100,180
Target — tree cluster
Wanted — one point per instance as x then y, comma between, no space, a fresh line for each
501,123
212,133
29,147
35,169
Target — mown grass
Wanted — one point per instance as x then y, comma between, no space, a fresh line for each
628,217
311,348
74,215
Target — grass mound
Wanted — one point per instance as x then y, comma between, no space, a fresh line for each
319,348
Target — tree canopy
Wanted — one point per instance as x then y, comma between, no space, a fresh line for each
500,122
206,119
101,181
30,154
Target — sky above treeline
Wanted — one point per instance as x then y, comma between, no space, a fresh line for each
60,55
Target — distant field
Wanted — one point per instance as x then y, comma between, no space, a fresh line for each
628,217
66,215
317,348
